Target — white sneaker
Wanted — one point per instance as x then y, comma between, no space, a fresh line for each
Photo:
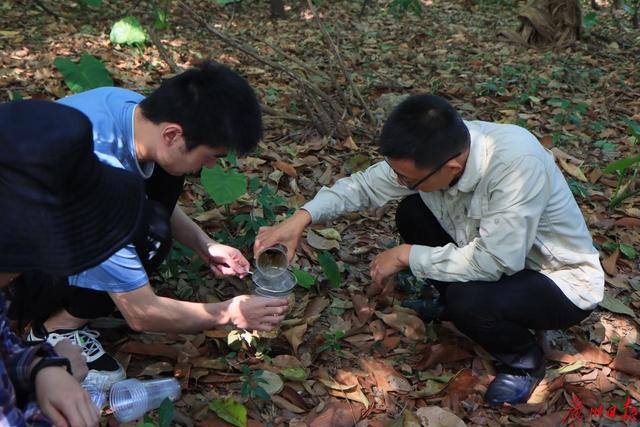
104,370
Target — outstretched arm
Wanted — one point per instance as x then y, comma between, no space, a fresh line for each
222,259
146,311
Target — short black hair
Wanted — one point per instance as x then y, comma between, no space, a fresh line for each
426,129
214,106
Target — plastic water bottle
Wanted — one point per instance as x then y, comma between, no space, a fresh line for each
131,399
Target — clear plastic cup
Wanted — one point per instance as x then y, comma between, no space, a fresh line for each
131,399
272,262
97,395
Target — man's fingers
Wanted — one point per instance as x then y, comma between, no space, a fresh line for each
274,319
55,416
71,413
216,271
89,411
273,302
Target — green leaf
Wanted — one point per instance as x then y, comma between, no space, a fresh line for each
303,278
562,103
232,158
615,306
621,164
165,413
230,411
553,373
88,73
92,2
226,2
262,393
162,19
330,268
223,187
628,251
610,246
294,374
128,31
254,184
146,424
590,19
633,128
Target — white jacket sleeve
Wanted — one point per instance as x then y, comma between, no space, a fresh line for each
517,196
373,187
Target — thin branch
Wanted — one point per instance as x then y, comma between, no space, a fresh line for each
176,69
295,60
282,115
163,52
341,63
254,54
46,8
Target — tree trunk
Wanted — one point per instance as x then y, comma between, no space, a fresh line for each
277,9
548,22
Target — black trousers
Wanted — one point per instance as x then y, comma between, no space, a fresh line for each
37,296
497,315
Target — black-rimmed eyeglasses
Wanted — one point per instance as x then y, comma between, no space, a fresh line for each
402,180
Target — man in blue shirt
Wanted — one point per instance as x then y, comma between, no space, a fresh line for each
189,122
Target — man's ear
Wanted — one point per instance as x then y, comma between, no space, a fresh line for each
170,132
454,166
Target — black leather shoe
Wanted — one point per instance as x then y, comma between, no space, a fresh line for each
427,309
513,385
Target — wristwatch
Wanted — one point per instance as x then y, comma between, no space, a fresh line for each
47,361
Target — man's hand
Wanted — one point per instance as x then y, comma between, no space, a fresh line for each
225,260
255,312
287,233
62,399
66,348
388,263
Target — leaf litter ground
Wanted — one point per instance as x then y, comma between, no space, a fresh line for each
380,365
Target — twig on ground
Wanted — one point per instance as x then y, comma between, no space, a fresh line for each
46,8
283,115
295,60
254,54
336,54
163,52
175,68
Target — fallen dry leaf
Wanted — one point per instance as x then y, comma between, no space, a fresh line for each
572,170
315,307
336,414
295,336
590,353
628,221
157,368
387,378
161,350
377,330
283,403
286,361
316,241
411,326
586,396
286,168
361,306
292,396
435,353
610,264
436,416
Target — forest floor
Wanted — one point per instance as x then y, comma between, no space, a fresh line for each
345,356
